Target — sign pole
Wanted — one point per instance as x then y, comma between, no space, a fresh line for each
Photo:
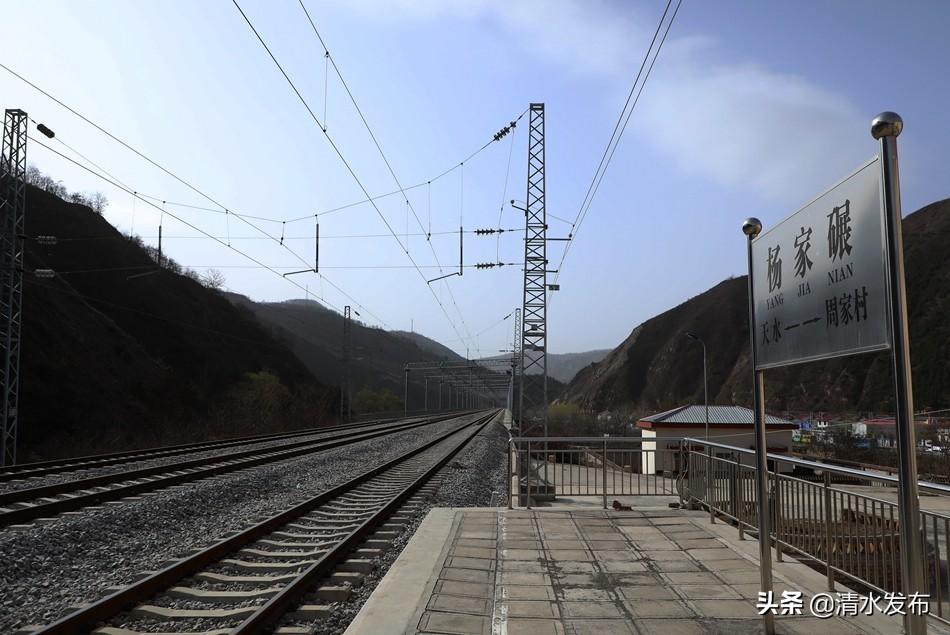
752,227
886,127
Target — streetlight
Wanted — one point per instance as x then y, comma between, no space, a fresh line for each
705,383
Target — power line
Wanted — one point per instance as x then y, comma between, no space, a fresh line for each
386,161
135,151
619,129
344,161
218,240
286,238
271,267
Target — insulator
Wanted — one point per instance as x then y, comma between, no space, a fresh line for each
44,273
46,240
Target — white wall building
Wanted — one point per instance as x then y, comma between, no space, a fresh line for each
730,425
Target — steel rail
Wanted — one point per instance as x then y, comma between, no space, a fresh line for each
173,475
73,464
108,607
291,594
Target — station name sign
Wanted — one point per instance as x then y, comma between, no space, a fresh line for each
819,277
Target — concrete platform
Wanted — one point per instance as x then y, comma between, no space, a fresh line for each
576,569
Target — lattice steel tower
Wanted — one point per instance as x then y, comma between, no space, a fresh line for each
346,396
533,396
13,199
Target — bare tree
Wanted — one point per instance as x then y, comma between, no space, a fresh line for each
213,279
98,202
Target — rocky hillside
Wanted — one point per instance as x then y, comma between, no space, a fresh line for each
315,333
563,366
117,353
657,367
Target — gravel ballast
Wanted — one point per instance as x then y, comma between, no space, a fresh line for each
71,560
136,464
467,481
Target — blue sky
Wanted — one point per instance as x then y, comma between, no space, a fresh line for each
753,109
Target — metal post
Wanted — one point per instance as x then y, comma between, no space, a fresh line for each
345,391
705,389
828,520
426,399
603,465
710,484
511,450
776,505
534,333
405,395
13,196
527,498
886,127
740,491
751,228
705,382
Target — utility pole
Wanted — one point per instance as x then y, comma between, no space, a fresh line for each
13,199
345,393
533,398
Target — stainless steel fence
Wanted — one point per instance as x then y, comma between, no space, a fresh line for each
841,520
592,466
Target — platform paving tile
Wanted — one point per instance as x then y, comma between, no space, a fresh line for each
708,592
518,626
676,566
533,608
519,592
460,604
465,575
523,566
454,623
573,567
646,592
589,573
598,627
590,608
471,589
473,552
660,608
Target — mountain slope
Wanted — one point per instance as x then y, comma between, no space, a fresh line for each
110,362
315,333
563,366
657,367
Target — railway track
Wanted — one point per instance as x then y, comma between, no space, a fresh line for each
34,503
27,471
283,574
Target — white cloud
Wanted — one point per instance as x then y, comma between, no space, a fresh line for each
740,124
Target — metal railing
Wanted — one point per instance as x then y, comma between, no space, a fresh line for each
843,521
592,466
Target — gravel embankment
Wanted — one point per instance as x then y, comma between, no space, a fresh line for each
54,479
468,481
74,559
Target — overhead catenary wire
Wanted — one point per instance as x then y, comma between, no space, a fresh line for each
130,148
208,235
342,158
172,175
619,127
451,233
386,161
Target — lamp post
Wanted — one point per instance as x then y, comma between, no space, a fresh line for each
705,383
